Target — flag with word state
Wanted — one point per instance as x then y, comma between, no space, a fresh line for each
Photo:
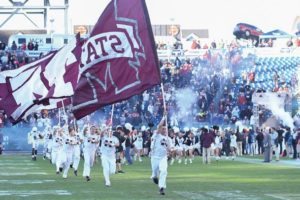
119,58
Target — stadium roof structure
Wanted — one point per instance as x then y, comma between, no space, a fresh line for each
28,10
296,26
201,33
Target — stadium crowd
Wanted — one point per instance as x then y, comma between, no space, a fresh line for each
219,101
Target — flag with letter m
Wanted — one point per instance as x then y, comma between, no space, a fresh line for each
118,60
46,83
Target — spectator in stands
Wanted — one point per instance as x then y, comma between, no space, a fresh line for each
2,45
30,46
289,43
13,46
213,45
294,81
270,43
23,47
195,45
205,46
276,80
221,44
36,46
298,42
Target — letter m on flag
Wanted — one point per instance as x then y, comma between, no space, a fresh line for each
119,59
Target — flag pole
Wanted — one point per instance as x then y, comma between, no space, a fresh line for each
111,119
59,117
165,107
65,114
63,106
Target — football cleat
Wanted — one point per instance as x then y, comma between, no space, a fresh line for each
155,180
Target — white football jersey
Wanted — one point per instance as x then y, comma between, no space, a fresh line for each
108,146
160,144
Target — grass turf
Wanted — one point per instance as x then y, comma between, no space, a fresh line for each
21,178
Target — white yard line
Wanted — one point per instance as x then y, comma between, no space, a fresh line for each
22,173
16,164
191,195
25,182
25,193
17,161
22,168
236,195
284,196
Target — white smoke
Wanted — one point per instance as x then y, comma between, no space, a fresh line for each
185,99
275,103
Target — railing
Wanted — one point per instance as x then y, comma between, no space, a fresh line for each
191,53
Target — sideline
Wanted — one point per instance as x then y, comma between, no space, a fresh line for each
285,163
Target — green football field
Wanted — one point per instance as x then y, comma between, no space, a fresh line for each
244,178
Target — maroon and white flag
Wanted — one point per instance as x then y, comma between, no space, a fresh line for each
119,59
42,84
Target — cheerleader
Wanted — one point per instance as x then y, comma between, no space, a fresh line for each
138,146
190,142
172,150
233,145
180,147
218,145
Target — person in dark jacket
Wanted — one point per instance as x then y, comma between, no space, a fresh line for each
260,141
226,145
207,139
128,145
119,150
280,132
267,145
239,140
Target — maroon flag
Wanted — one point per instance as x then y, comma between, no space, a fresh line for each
119,59
42,84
